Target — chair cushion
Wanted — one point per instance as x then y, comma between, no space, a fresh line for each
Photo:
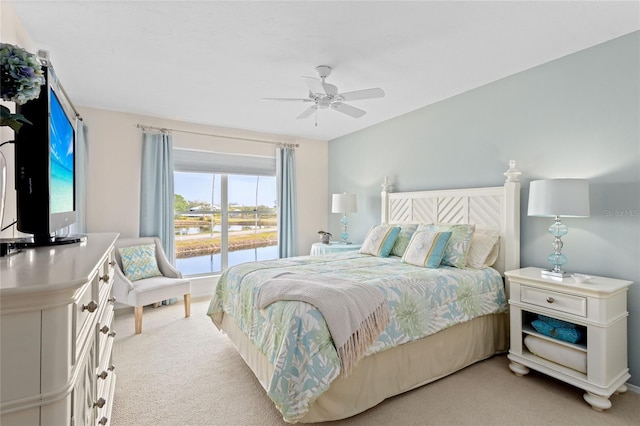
156,289
139,262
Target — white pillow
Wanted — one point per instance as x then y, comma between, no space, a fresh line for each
484,248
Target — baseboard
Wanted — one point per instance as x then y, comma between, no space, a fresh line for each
633,388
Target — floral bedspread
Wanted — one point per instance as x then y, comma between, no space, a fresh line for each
296,340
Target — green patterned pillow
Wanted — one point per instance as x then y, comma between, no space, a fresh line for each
402,241
139,262
459,243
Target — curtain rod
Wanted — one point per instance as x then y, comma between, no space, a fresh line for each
165,130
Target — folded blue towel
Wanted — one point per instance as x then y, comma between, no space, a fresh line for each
566,334
556,322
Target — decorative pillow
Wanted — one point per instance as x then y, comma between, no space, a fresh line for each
380,239
484,248
139,262
406,232
426,249
456,252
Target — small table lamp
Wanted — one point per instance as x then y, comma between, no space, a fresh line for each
556,198
344,203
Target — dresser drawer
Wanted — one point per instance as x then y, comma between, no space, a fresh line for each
562,302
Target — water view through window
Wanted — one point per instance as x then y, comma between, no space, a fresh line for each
250,208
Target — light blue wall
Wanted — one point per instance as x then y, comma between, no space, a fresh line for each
578,116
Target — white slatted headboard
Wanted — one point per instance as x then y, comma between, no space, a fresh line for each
490,208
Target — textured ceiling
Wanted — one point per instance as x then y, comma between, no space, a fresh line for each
213,62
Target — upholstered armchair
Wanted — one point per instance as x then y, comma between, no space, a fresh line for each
144,276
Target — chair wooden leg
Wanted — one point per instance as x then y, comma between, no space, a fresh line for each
187,305
138,311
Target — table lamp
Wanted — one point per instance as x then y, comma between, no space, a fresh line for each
558,198
344,203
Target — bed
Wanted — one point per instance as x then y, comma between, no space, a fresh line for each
440,319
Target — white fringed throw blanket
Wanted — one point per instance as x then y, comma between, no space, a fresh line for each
356,313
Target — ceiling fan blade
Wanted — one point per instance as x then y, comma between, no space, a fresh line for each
348,109
362,94
307,112
288,99
315,85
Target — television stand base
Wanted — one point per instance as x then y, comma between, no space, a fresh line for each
39,241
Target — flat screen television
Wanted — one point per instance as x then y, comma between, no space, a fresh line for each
45,165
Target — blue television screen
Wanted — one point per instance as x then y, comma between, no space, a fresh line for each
61,188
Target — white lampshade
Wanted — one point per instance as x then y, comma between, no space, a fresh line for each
344,203
559,197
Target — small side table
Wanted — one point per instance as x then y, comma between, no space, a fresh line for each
333,247
598,308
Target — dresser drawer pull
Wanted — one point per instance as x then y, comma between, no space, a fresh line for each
112,299
104,329
91,306
103,421
111,367
105,278
112,334
100,403
112,263
103,375
550,300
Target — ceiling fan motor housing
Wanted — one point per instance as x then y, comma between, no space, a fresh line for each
323,71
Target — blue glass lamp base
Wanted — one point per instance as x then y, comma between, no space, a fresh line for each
344,236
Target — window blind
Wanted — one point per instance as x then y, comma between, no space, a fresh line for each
189,160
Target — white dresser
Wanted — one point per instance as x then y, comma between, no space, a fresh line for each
56,312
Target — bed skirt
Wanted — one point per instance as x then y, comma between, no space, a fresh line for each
393,371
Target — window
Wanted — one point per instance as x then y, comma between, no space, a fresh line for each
223,219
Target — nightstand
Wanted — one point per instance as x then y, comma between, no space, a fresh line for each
333,247
597,309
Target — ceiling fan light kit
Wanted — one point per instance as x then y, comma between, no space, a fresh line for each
326,96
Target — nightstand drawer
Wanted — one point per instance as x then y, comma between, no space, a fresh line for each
561,302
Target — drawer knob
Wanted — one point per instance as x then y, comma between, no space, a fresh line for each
105,278
103,421
112,367
550,300
112,299
99,403
112,334
112,263
103,375
91,306
104,329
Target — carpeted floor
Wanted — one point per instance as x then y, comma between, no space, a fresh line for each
183,371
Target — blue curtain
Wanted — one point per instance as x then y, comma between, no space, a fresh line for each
156,190
81,160
287,214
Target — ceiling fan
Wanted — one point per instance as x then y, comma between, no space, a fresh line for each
326,96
